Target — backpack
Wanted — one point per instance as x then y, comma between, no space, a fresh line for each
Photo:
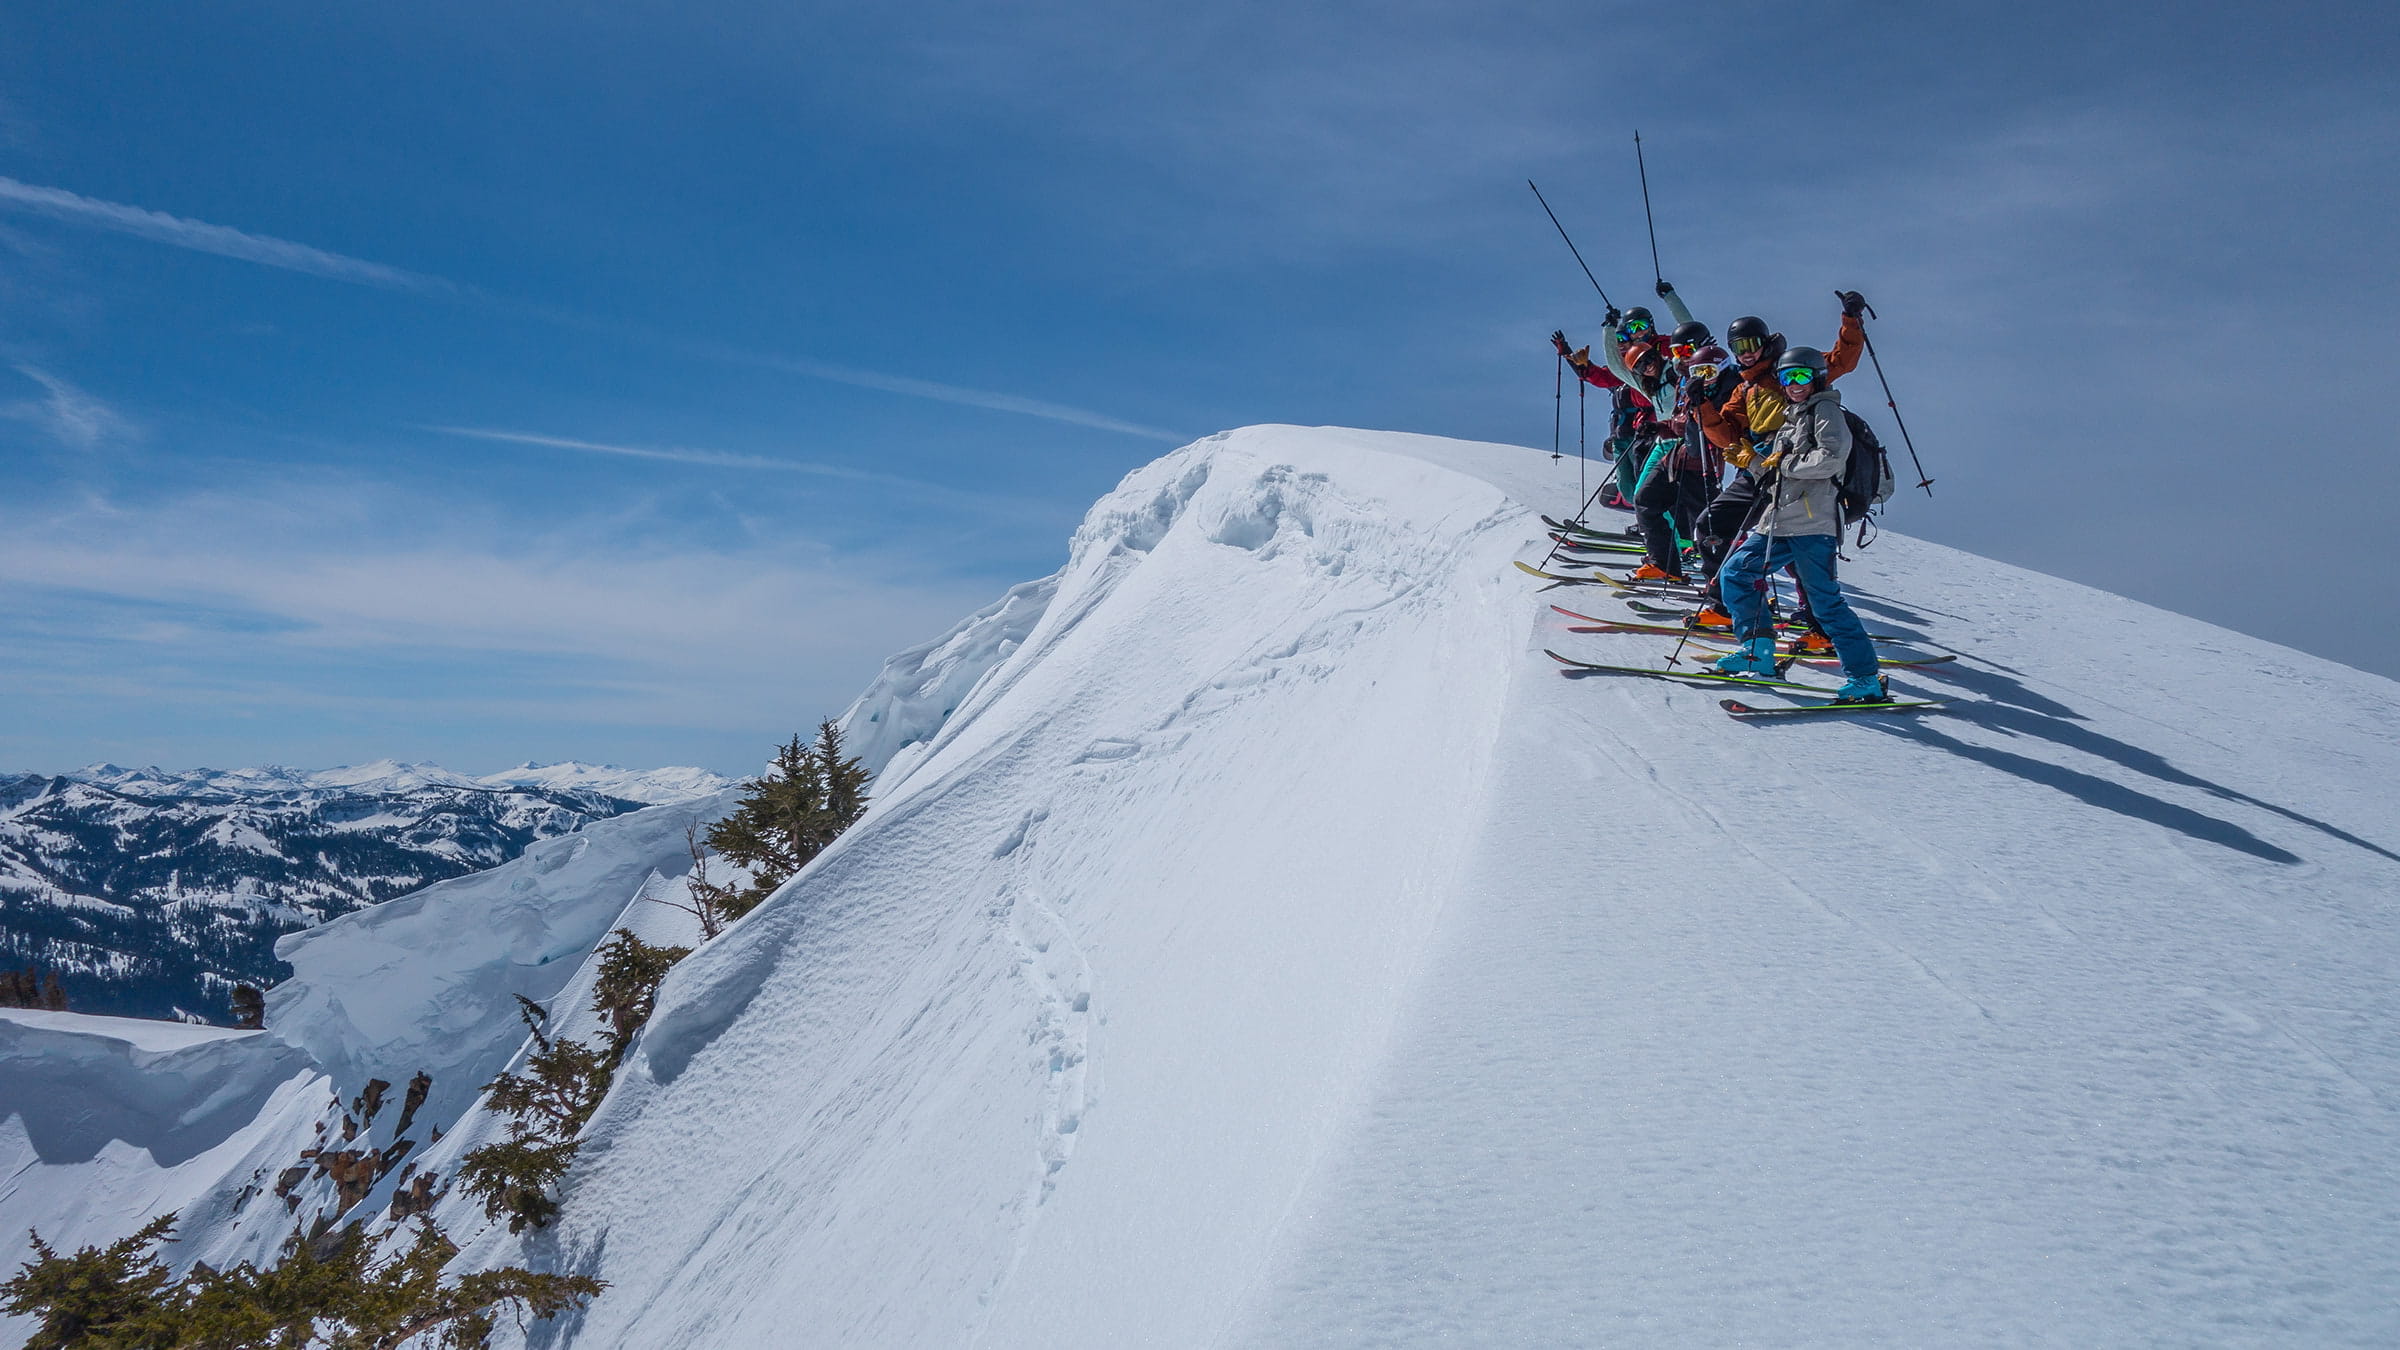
1867,481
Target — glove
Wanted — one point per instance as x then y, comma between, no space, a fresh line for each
1665,288
1738,456
1559,340
1767,465
1853,304
1610,319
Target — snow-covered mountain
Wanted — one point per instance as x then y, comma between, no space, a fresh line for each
1256,940
153,893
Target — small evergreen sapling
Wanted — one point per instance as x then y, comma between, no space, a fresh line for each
789,816
563,1084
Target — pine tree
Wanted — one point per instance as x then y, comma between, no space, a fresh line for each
627,988
329,1292
563,1084
813,793
116,1291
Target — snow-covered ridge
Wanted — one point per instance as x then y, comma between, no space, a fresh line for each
154,893
1256,940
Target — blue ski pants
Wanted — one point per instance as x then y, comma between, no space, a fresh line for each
1743,583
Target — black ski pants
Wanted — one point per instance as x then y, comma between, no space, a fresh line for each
1667,505
1721,520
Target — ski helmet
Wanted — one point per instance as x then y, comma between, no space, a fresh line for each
1693,334
1748,328
1627,332
1802,358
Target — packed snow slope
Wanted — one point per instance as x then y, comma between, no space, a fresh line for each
1256,940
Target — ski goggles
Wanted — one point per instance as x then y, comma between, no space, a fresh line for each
1748,346
1635,327
1683,350
1796,376
1702,374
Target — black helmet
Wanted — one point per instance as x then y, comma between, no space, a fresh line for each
1639,312
1802,358
1747,326
1693,334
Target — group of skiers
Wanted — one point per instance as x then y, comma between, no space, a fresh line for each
1730,461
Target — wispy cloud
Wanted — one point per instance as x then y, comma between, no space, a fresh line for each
951,393
66,412
715,459
339,589
202,237
225,241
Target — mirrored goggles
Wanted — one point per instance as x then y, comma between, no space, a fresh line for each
1795,376
1748,346
1636,327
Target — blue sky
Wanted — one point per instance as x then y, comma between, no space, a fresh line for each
623,381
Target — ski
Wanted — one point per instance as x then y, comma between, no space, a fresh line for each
1621,585
1669,612
1829,659
1576,527
1659,611
1696,677
1741,709
1531,570
1600,625
1568,541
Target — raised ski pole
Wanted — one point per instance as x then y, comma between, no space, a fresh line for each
1922,480
1647,218
1562,233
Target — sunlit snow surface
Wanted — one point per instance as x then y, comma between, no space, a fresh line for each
1257,941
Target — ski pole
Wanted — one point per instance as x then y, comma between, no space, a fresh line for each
1562,233
1580,461
1922,480
1655,273
1558,393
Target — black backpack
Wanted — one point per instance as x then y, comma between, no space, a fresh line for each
1868,480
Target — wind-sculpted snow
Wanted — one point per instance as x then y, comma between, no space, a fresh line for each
427,982
108,1121
1271,947
1256,940
893,724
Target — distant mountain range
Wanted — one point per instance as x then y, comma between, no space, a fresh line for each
152,893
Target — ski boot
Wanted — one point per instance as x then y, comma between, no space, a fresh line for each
1757,657
1863,689
1810,642
1650,571
1712,615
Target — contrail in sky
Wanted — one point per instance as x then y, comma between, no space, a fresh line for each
222,240
716,459
227,242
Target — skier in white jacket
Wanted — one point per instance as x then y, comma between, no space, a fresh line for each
1800,525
